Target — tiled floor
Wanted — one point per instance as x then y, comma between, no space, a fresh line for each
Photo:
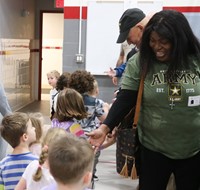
106,170
108,177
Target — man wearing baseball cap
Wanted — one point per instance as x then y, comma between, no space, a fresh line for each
131,26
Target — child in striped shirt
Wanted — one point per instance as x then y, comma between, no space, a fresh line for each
18,131
37,175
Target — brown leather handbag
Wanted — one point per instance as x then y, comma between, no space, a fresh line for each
127,151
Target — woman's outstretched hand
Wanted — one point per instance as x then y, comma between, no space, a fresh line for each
97,137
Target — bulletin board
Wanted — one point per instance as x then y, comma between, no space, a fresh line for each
102,51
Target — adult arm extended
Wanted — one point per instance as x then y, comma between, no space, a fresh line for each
119,70
126,99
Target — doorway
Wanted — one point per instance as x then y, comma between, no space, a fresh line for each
51,49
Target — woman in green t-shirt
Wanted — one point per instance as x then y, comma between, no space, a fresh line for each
169,123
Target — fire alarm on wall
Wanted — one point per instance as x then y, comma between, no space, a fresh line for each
79,58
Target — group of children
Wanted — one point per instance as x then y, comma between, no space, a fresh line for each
60,151
83,111
62,158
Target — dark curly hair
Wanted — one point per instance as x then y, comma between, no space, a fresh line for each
63,81
82,81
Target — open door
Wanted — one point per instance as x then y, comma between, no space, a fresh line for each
51,49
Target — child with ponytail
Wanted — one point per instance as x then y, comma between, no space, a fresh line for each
37,175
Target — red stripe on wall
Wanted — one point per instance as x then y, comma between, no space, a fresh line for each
73,12
51,47
184,9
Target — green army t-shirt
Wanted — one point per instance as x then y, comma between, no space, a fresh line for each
169,120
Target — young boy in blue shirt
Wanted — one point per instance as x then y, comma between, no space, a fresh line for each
18,131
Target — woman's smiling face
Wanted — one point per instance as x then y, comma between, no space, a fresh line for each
160,46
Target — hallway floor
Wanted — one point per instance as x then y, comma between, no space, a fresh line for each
106,169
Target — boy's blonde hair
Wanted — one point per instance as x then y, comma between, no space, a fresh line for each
13,127
51,135
70,158
53,73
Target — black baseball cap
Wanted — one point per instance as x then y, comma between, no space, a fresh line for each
129,19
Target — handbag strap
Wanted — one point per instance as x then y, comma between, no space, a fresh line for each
138,103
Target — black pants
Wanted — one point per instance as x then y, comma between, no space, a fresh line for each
155,170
